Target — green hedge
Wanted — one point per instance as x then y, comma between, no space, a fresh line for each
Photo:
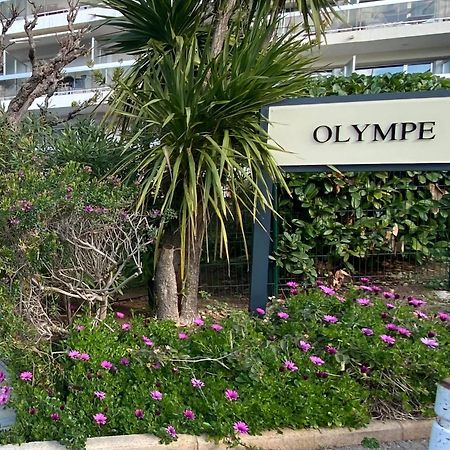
353,216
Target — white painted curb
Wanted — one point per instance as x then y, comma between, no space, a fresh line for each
271,440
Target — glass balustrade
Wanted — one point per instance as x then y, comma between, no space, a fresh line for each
382,13
72,82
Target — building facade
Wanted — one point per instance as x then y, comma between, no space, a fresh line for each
370,37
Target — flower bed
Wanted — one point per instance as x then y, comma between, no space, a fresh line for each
316,359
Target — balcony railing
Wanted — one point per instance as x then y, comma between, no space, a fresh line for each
76,79
382,13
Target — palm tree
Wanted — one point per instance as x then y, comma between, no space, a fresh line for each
189,112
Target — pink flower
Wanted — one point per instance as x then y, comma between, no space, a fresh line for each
199,321
330,350
100,419
260,311
403,331
197,384
189,414
364,302
231,395
367,331
290,365
147,341
390,295
364,280
416,302
120,315
430,343
387,339
124,361
170,430
420,315
330,319
390,306
139,414
2,376
366,288
316,360
283,315
100,395
84,357
55,417
106,365
79,328
182,336
443,316
126,326
391,327
5,393
241,427
304,346
156,395
292,284
327,290
73,354
216,327
26,376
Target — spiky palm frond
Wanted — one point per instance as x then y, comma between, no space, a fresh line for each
207,115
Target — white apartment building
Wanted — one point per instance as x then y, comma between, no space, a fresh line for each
371,37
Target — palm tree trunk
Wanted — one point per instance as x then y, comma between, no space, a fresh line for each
189,301
166,291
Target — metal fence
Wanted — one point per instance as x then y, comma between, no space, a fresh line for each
406,268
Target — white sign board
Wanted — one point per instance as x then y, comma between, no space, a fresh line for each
392,129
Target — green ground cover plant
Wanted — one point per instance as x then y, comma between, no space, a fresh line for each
318,358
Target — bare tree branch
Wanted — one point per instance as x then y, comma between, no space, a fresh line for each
6,22
46,75
29,27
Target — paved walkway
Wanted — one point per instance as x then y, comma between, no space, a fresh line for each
402,445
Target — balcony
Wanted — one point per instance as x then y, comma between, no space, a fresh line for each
381,13
52,15
79,84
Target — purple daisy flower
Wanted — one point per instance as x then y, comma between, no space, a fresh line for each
189,414
100,419
156,395
231,395
26,376
316,360
364,302
290,365
327,290
199,321
170,430
304,346
100,395
283,315
387,339
330,319
196,383
367,331
106,365
430,343
216,327
240,427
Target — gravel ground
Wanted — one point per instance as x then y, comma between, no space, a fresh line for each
401,445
